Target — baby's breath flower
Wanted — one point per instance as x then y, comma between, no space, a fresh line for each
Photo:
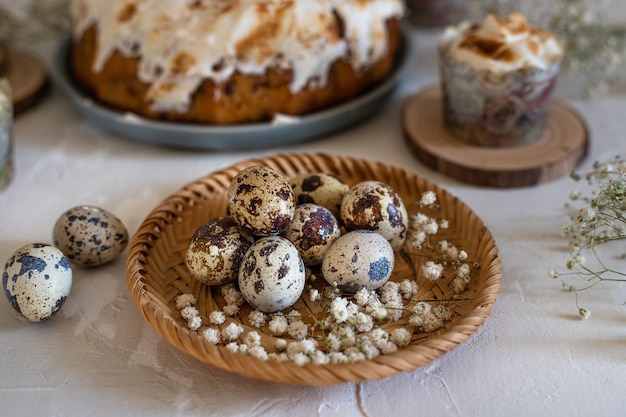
212,335
458,285
257,318
431,323
232,331
431,228
217,317
231,294
231,310
362,296
587,214
314,295
298,330
400,336
252,338
280,345
185,300
232,346
189,312
584,313
408,288
428,198
338,309
258,351
388,347
443,312
194,322
363,322
432,271
278,325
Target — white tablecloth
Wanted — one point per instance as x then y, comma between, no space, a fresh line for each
532,357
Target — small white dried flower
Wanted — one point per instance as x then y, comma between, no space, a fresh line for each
431,228
217,317
298,330
280,345
363,322
259,352
400,336
212,335
339,310
432,271
185,300
584,313
587,214
232,346
232,331
231,310
314,295
428,198
232,295
257,318
362,296
407,288
189,312
194,322
278,325
431,323
252,338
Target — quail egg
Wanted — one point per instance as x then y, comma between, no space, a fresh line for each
260,200
89,236
216,250
320,188
37,279
360,258
312,231
271,276
376,206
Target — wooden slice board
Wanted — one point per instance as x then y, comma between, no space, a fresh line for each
27,76
562,147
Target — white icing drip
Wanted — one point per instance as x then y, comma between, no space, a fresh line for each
215,37
519,44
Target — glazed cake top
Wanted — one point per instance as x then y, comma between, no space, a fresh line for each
180,43
501,45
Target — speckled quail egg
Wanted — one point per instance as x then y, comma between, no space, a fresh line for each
271,276
215,251
37,279
89,235
320,188
360,258
312,231
260,200
374,205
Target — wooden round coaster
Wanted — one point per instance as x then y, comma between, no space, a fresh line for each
563,146
28,79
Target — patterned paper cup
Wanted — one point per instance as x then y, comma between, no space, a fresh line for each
496,109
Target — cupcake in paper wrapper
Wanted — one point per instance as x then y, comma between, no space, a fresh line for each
498,79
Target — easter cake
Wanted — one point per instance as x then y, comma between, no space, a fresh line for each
231,61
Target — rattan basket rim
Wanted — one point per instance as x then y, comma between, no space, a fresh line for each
150,289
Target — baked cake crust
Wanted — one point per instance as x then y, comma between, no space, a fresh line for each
242,97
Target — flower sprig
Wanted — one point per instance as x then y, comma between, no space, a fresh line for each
596,230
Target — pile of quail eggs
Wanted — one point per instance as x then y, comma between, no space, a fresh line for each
274,229
37,278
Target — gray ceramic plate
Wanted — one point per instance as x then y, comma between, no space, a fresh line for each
222,138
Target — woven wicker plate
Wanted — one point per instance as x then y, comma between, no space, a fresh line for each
156,274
